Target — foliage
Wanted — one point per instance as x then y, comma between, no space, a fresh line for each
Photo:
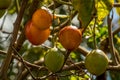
21,60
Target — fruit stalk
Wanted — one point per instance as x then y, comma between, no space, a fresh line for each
8,58
66,57
94,35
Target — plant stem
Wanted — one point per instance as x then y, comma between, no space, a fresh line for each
66,57
8,58
111,44
94,34
64,2
22,60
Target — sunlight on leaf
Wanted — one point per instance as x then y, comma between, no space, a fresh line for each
118,8
103,8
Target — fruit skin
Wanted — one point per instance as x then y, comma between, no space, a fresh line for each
70,37
4,4
96,62
42,19
34,35
54,59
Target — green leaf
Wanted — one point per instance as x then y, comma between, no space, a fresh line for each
34,54
117,8
2,12
103,8
85,10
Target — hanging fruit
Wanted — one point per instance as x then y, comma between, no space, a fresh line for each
35,35
54,59
96,62
42,19
70,37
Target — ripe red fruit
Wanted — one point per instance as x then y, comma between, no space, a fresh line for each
42,19
35,35
70,37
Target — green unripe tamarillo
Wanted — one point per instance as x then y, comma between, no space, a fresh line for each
4,4
96,62
54,59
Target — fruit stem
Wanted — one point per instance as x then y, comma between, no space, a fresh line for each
94,35
66,57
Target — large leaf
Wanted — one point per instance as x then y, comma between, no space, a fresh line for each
33,54
103,8
118,8
2,12
85,9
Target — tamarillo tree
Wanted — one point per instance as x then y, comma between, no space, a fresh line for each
59,40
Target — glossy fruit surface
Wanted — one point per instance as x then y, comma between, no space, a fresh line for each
4,4
2,12
96,62
42,19
70,37
36,36
54,60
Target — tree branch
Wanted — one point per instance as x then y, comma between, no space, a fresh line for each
116,5
22,60
111,44
8,58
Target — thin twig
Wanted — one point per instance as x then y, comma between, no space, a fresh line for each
63,24
94,34
117,55
80,69
5,32
17,5
116,5
35,65
66,57
24,63
116,31
63,2
73,67
6,38
111,44
82,50
44,77
66,67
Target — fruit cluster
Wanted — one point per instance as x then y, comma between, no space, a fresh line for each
70,37
37,32
38,28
